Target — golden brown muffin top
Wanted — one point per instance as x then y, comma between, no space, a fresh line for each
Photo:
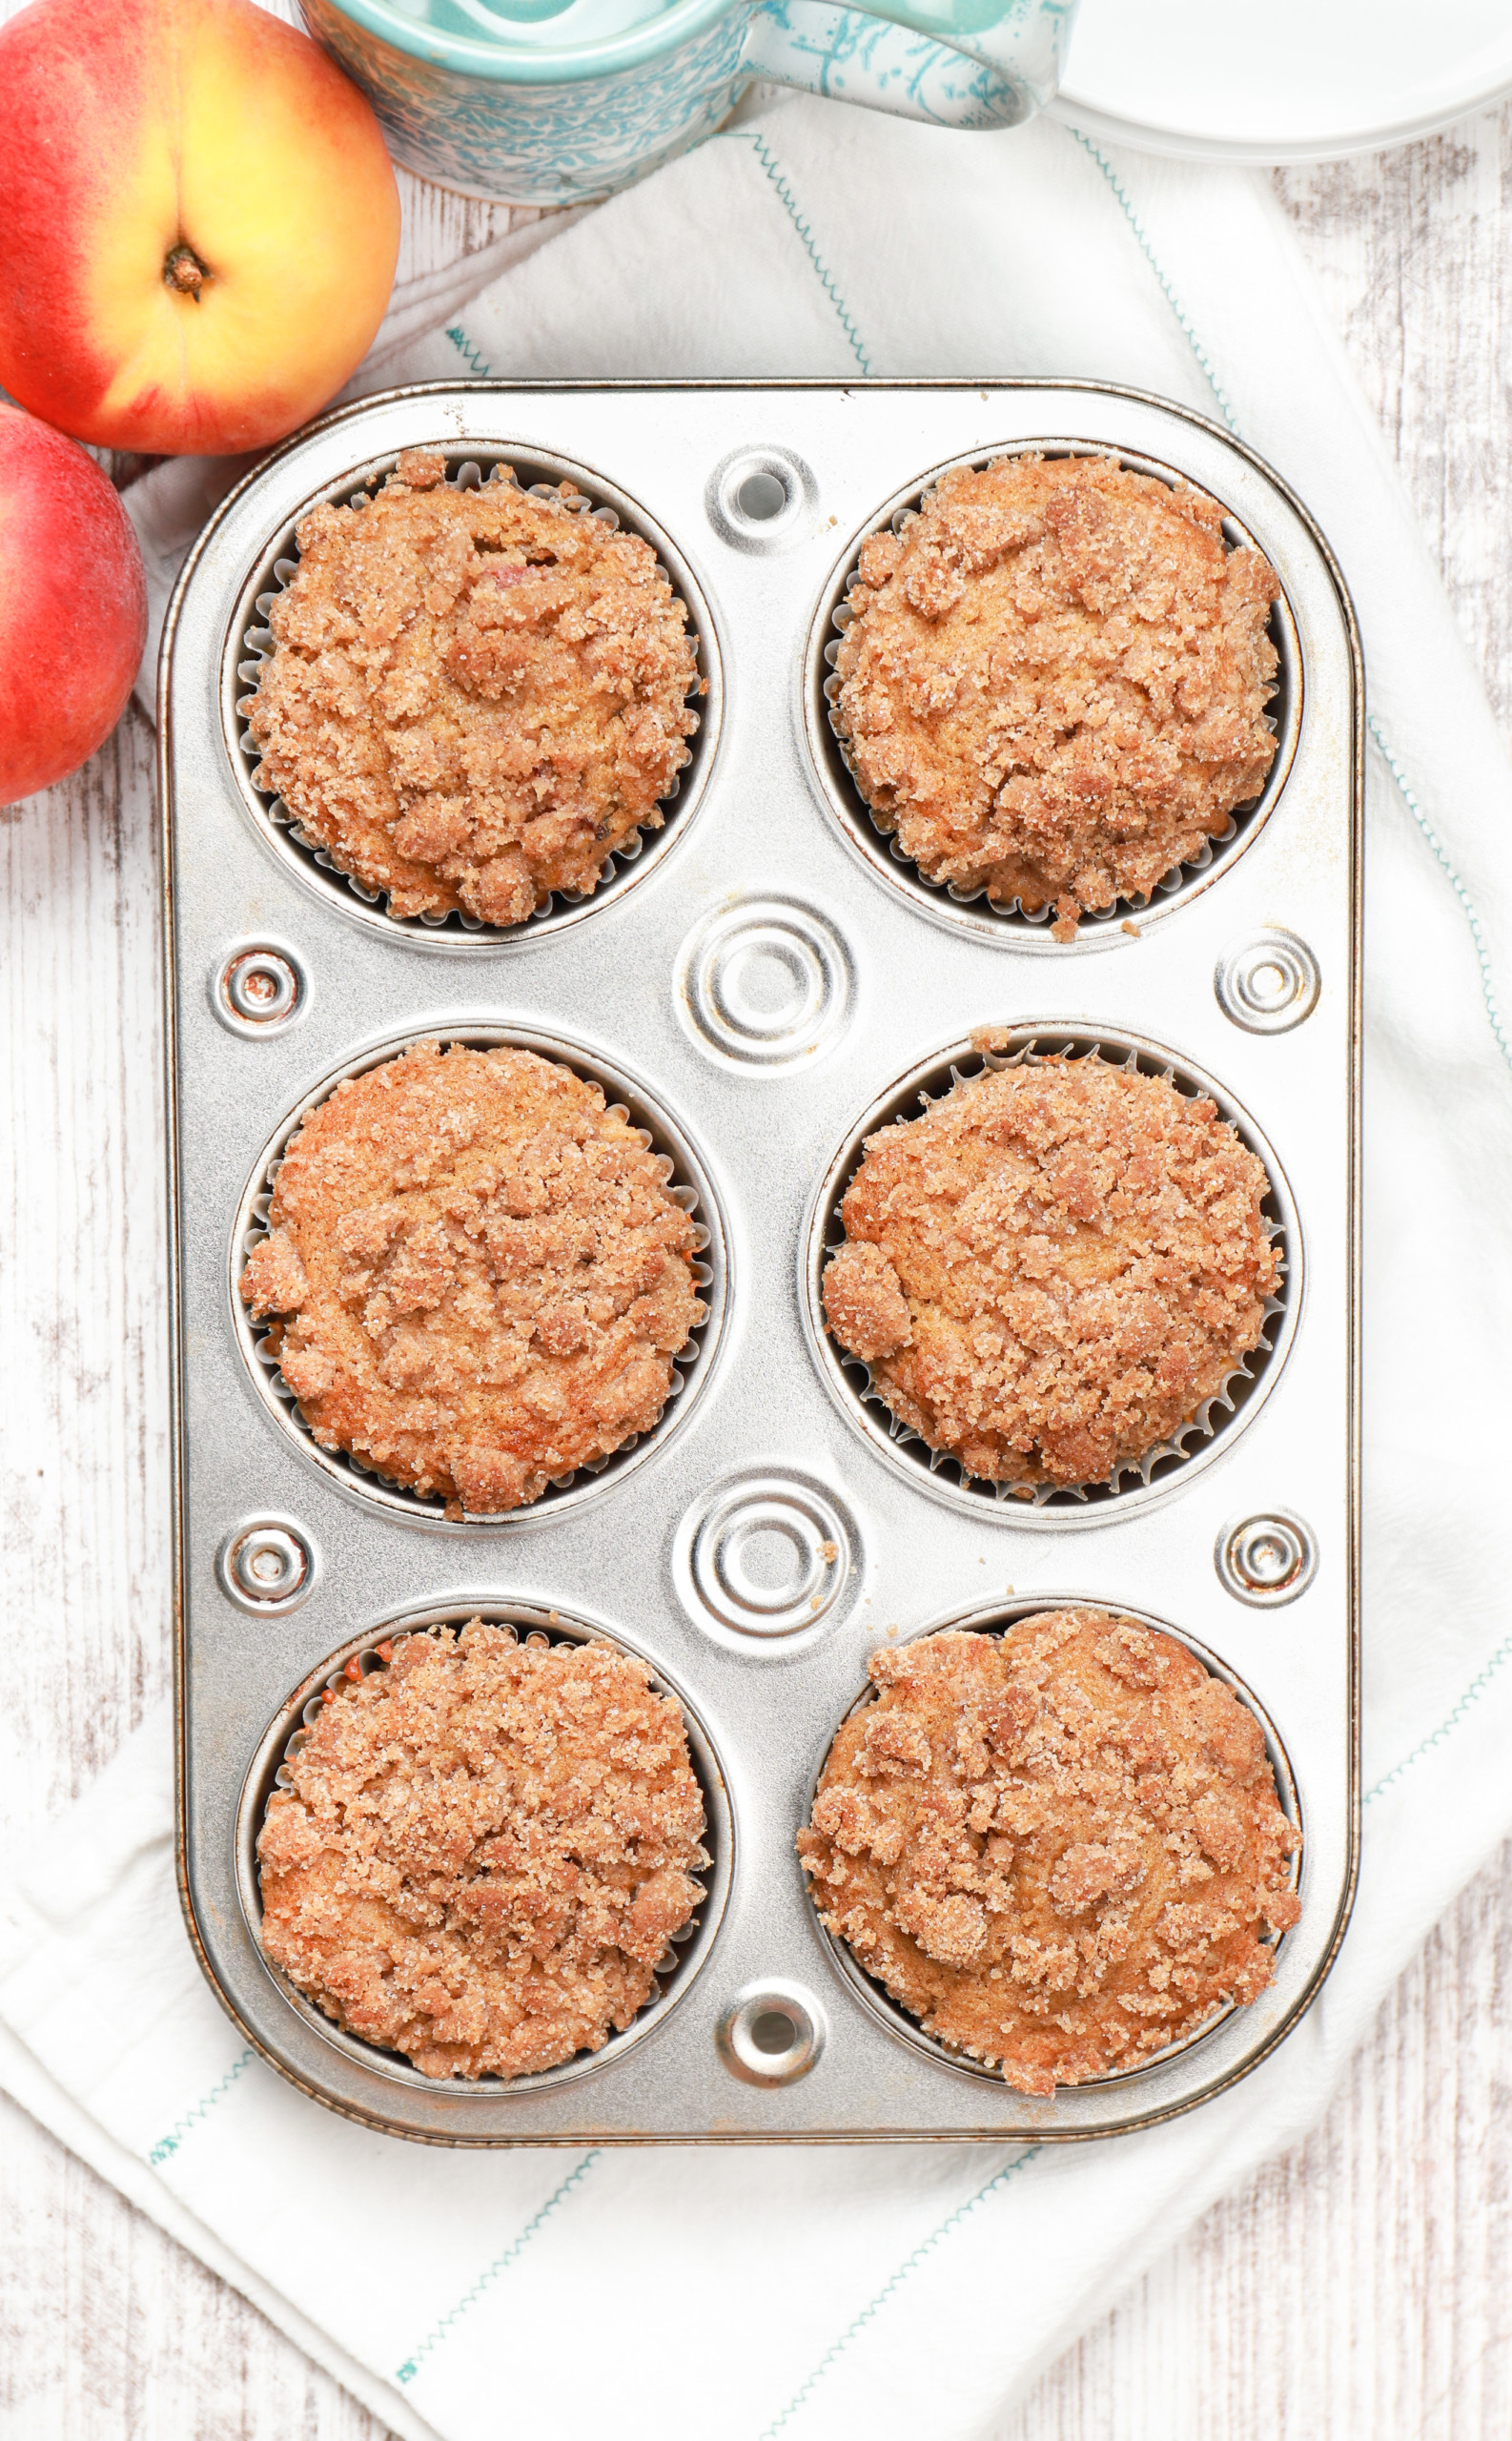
474,697
1053,685
1050,1271
482,1850
480,1274
1058,1849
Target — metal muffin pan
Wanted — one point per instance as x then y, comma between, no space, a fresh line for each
765,985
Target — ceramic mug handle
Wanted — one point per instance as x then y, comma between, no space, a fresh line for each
955,63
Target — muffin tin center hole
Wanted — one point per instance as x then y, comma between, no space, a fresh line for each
760,499
762,495
771,2033
771,983
763,984
767,1560
769,1555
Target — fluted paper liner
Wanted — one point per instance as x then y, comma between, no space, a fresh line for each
1225,1409
252,643
686,1948
260,1341
1238,830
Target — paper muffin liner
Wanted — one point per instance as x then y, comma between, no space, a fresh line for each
686,1949
1002,1618
837,768
251,645
1171,1460
688,1183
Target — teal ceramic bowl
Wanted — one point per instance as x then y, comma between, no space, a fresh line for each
502,103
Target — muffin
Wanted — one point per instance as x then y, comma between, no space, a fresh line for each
1061,1849
1053,682
479,1274
1050,1272
474,697
482,1850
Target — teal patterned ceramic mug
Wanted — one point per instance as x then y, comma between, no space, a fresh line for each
557,101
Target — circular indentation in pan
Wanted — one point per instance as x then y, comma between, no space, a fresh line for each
688,1183
267,1565
760,499
771,2033
249,642
764,985
1269,983
686,1952
1266,1561
972,911
767,1556
1166,1467
259,988
989,1618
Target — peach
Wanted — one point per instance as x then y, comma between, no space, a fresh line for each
200,221
73,607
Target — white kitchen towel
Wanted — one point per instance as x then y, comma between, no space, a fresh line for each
878,2291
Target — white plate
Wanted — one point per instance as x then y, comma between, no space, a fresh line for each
1305,80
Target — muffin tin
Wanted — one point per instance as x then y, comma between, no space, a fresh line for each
759,986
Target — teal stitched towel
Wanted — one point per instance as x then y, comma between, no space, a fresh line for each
897,2293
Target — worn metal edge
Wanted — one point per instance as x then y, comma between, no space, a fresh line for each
996,2132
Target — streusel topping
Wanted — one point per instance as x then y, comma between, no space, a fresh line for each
1061,1849
483,1851
474,697
1053,1268
479,1273
1053,684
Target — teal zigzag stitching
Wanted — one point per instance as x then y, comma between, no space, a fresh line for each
1503,1653
1188,329
170,2143
926,2245
1482,953
1472,1695
788,200
470,355
412,2364
1478,936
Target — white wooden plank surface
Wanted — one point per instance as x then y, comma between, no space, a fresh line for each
1362,2287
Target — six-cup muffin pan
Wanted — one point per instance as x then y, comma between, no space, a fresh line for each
760,985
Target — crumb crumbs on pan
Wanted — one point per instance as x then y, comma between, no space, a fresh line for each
1061,1849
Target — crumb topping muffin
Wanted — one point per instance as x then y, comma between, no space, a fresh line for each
1060,1850
480,1275
483,1851
1053,684
1052,1270
474,697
